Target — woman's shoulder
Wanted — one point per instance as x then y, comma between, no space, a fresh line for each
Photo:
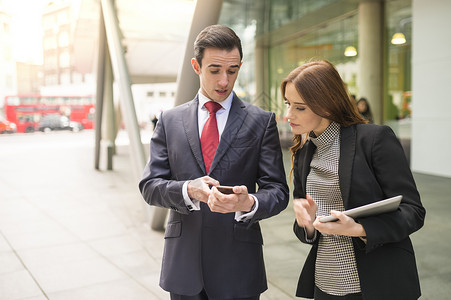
373,133
371,128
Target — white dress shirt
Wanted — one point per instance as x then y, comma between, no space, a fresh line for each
221,119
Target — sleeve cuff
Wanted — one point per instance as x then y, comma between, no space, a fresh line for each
312,239
191,204
244,216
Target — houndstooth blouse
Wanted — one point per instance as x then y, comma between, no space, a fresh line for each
336,269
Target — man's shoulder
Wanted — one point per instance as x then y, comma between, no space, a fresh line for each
179,108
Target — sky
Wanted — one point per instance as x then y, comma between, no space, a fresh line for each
26,28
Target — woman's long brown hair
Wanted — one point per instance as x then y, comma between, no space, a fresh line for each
324,92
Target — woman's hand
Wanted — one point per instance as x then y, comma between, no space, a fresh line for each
344,226
305,211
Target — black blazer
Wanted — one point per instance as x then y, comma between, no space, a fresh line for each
372,166
205,249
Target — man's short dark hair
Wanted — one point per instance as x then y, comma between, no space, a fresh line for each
216,36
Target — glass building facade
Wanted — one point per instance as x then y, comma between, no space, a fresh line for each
279,35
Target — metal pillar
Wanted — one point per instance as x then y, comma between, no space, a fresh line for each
100,90
109,127
122,77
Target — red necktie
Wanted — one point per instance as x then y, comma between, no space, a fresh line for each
209,139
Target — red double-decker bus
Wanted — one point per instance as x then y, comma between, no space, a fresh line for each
26,110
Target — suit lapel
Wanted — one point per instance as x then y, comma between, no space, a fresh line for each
235,120
192,131
347,153
305,169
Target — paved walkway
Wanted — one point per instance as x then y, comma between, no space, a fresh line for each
70,232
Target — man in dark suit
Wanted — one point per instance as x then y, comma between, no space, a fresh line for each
213,242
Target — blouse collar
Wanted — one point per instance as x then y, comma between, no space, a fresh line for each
327,137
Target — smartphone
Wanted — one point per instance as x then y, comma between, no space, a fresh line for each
225,189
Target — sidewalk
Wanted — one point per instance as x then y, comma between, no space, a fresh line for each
70,232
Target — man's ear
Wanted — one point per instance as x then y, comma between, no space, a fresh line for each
195,65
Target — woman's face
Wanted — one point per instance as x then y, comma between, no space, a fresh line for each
301,118
361,105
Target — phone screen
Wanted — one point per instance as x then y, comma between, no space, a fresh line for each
225,189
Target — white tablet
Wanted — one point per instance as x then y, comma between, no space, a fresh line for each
374,208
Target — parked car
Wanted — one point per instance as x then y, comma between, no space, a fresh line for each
58,122
7,126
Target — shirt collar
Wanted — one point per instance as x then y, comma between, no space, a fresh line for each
225,104
327,137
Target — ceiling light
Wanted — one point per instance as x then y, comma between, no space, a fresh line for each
398,39
350,51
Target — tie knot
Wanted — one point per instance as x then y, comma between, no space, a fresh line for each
212,106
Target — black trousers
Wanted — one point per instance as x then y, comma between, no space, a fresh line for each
203,296
320,295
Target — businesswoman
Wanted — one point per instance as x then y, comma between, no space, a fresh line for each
339,163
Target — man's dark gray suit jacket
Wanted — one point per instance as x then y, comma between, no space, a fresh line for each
211,250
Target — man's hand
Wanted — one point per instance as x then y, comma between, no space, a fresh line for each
344,226
240,200
199,189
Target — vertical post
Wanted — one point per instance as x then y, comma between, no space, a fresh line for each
109,151
100,89
431,88
109,118
122,77
371,56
